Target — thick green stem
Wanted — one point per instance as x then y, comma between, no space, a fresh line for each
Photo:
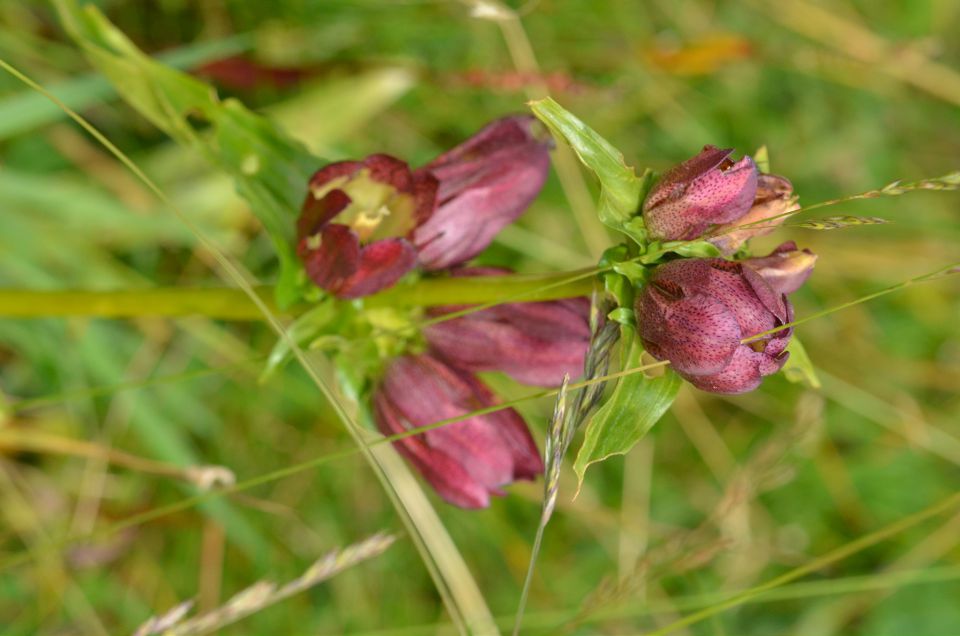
232,304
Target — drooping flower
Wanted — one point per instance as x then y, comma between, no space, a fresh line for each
786,268
697,312
366,223
466,462
705,190
354,231
485,184
773,200
534,343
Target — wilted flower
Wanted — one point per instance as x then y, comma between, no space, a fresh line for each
786,268
534,343
695,313
773,200
467,461
708,189
353,232
485,184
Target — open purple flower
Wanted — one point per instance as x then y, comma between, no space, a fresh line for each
365,224
465,462
705,190
696,313
485,184
534,343
354,231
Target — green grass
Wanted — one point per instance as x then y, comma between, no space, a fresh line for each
725,495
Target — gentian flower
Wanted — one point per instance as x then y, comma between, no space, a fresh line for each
534,343
354,231
695,313
465,462
365,224
708,189
773,200
486,183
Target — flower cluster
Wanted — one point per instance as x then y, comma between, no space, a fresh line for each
365,224
469,460
721,323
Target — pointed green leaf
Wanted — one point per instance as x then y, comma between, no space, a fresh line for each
799,368
621,190
636,404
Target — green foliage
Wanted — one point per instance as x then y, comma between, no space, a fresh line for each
799,367
715,509
269,169
621,190
637,402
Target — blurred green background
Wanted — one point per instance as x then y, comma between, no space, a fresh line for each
725,494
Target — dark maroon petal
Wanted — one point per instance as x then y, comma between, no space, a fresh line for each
741,375
466,164
534,343
317,212
447,476
468,460
485,184
389,170
424,195
723,281
512,431
334,260
676,179
697,334
772,300
381,264
694,197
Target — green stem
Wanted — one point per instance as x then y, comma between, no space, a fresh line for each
233,304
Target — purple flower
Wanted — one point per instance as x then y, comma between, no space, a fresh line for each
786,268
705,190
695,313
354,229
534,343
486,183
774,198
467,461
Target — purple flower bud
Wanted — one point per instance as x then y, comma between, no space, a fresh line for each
774,198
354,229
695,312
467,461
534,343
705,190
486,183
786,268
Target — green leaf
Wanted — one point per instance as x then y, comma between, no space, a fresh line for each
302,331
621,191
687,249
26,111
799,368
636,404
624,316
270,170
762,158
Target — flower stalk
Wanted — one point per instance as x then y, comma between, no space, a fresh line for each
226,303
